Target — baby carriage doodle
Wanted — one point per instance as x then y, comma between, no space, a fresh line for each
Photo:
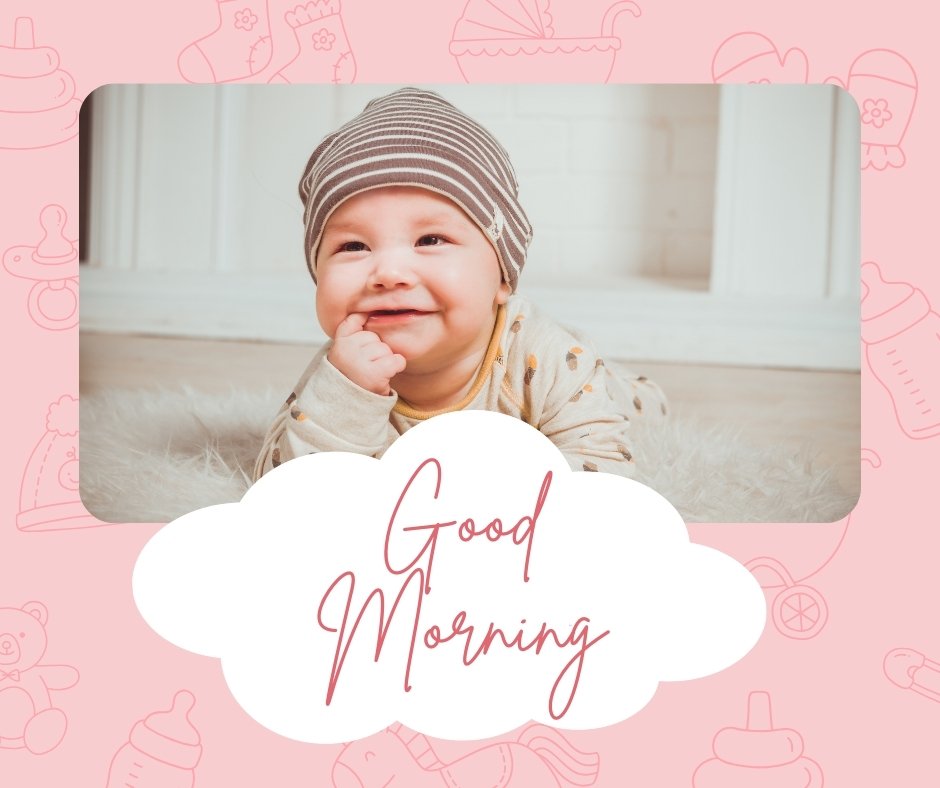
496,40
784,556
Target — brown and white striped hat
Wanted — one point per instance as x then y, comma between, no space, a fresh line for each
414,137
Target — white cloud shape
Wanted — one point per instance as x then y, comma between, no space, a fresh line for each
617,598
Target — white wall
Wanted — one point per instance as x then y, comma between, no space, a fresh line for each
196,229
619,180
615,179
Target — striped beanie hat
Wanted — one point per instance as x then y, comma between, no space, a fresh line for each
415,138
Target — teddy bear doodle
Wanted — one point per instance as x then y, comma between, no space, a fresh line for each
28,719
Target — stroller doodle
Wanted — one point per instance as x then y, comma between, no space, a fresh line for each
509,40
783,556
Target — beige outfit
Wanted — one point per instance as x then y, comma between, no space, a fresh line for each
534,370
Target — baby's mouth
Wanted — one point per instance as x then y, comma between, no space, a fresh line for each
388,312
394,316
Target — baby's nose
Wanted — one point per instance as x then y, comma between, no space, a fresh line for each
392,268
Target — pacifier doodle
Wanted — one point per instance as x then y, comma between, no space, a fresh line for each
53,266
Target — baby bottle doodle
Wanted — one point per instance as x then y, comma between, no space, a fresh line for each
162,752
902,344
758,755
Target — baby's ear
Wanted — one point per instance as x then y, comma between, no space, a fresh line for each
502,295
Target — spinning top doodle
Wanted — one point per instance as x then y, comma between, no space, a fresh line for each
53,265
758,755
162,750
38,107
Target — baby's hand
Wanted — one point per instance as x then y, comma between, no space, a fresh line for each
363,357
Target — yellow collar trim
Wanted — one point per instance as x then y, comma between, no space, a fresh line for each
491,352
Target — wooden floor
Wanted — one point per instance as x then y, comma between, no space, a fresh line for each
786,408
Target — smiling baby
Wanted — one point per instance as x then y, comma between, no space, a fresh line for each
416,239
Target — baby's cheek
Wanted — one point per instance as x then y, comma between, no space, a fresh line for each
329,314
338,291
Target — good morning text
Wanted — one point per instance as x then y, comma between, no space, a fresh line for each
478,639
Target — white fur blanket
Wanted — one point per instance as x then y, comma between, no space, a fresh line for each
153,455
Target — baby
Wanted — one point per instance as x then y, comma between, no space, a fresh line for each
416,239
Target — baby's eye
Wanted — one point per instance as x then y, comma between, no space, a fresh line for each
352,246
431,240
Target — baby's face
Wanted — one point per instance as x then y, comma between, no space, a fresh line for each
419,269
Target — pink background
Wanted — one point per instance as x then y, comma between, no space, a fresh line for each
875,572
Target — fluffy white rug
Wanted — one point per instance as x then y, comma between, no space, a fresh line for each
153,455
